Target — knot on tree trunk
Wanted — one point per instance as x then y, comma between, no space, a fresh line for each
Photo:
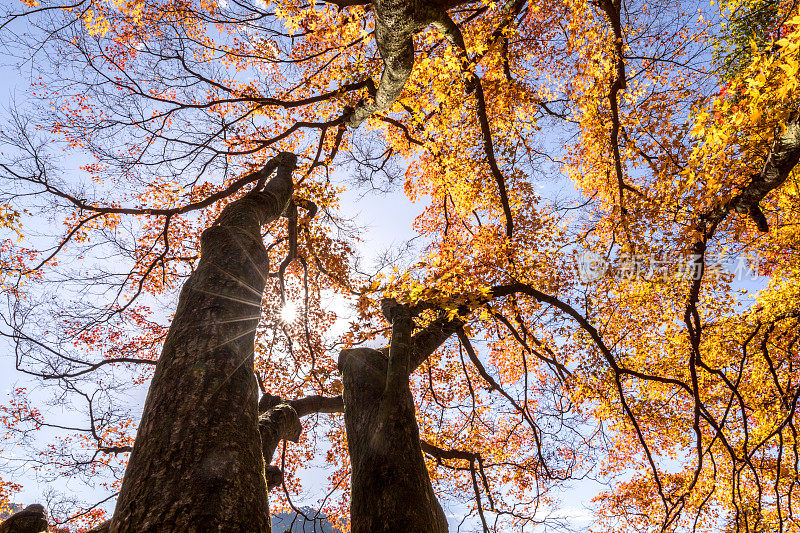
278,423
32,519
274,476
280,419
268,401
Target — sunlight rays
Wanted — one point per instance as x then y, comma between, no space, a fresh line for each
289,312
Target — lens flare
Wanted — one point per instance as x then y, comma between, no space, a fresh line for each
289,312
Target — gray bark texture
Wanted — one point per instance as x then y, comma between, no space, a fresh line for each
391,489
783,156
197,461
32,519
396,22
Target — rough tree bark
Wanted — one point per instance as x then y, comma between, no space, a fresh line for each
396,22
280,420
783,156
391,490
32,519
197,461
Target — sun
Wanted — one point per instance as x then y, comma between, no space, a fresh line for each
289,312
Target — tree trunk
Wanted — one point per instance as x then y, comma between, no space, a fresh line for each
197,463
391,489
32,519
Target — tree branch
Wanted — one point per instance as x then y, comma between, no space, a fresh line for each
427,340
397,371
304,406
783,156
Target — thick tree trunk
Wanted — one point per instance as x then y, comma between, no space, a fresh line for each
391,489
32,519
197,462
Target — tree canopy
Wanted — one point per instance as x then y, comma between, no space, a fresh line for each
594,180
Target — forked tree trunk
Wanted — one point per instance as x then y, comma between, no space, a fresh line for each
391,489
197,462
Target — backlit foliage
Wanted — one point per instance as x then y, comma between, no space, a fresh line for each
636,133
